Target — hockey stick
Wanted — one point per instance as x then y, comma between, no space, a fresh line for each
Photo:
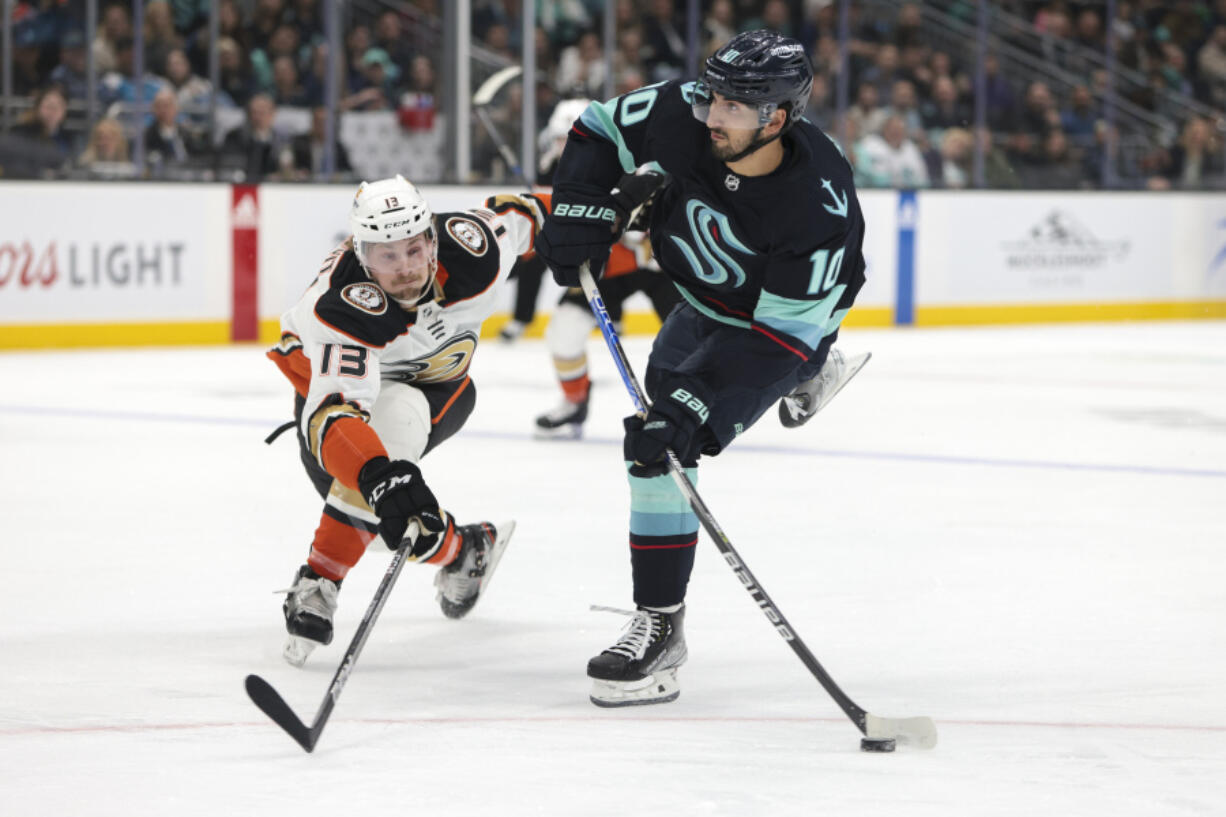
274,706
918,731
482,98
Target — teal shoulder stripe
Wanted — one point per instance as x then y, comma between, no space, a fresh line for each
599,118
807,321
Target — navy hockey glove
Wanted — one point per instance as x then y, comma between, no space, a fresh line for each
395,490
678,413
579,228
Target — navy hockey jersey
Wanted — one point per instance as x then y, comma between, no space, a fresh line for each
776,259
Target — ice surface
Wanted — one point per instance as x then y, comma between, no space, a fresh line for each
1020,532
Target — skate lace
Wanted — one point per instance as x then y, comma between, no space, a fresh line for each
641,631
316,596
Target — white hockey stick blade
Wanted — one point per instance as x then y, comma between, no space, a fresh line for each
485,94
918,732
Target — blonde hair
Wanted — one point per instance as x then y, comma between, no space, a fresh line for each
92,152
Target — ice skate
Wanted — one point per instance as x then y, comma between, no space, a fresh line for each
565,422
641,668
309,607
511,331
461,583
811,396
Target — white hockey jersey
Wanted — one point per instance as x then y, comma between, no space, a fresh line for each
345,336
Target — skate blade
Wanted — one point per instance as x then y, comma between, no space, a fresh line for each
570,431
657,688
297,649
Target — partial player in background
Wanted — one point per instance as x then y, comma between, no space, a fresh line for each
378,351
629,270
761,232
530,269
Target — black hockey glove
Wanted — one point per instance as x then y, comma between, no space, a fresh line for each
678,413
583,226
579,228
395,490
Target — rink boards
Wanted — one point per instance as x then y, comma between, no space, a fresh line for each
154,264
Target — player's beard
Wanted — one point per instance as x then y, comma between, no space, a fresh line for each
733,146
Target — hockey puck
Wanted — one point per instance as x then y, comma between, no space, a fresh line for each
872,745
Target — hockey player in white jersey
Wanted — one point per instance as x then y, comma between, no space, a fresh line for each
378,351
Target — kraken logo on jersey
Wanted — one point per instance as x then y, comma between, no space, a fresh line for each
711,230
448,362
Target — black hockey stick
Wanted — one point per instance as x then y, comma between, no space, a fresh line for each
918,731
482,98
275,707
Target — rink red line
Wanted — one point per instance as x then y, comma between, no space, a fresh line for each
184,727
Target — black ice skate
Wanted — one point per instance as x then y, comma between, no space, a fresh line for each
641,668
309,607
811,396
565,422
461,583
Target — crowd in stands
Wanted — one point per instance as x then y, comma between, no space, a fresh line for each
910,120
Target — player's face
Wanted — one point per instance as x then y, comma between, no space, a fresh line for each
402,268
732,125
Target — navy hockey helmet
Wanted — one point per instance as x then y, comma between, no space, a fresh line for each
762,68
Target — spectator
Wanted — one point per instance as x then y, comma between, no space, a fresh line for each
307,150
1058,168
313,82
286,90
1195,160
903,104
265,20
192,92
664,40
563,20
235,72
998,172
865,110
168,143
389,35
70,73
379,90
107,152
417,105
631,53
718,26
820,110
39,145
1079,118
27,58
775,15
497,40
999,92
303,16
581,68
891,159
160,35
1211,65
116,25
883,73
945,109
118,87
283,42
255,149
957,157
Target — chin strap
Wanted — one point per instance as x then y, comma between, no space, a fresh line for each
754,144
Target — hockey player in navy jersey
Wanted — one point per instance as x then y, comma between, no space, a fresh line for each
760,229
378,351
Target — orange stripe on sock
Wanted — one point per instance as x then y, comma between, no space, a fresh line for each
450,549
337,547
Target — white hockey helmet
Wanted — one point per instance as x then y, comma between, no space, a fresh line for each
389,210
553,137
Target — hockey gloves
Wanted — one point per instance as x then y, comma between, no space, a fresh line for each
679,412
396,492
583,225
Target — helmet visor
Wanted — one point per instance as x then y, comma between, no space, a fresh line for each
718,111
